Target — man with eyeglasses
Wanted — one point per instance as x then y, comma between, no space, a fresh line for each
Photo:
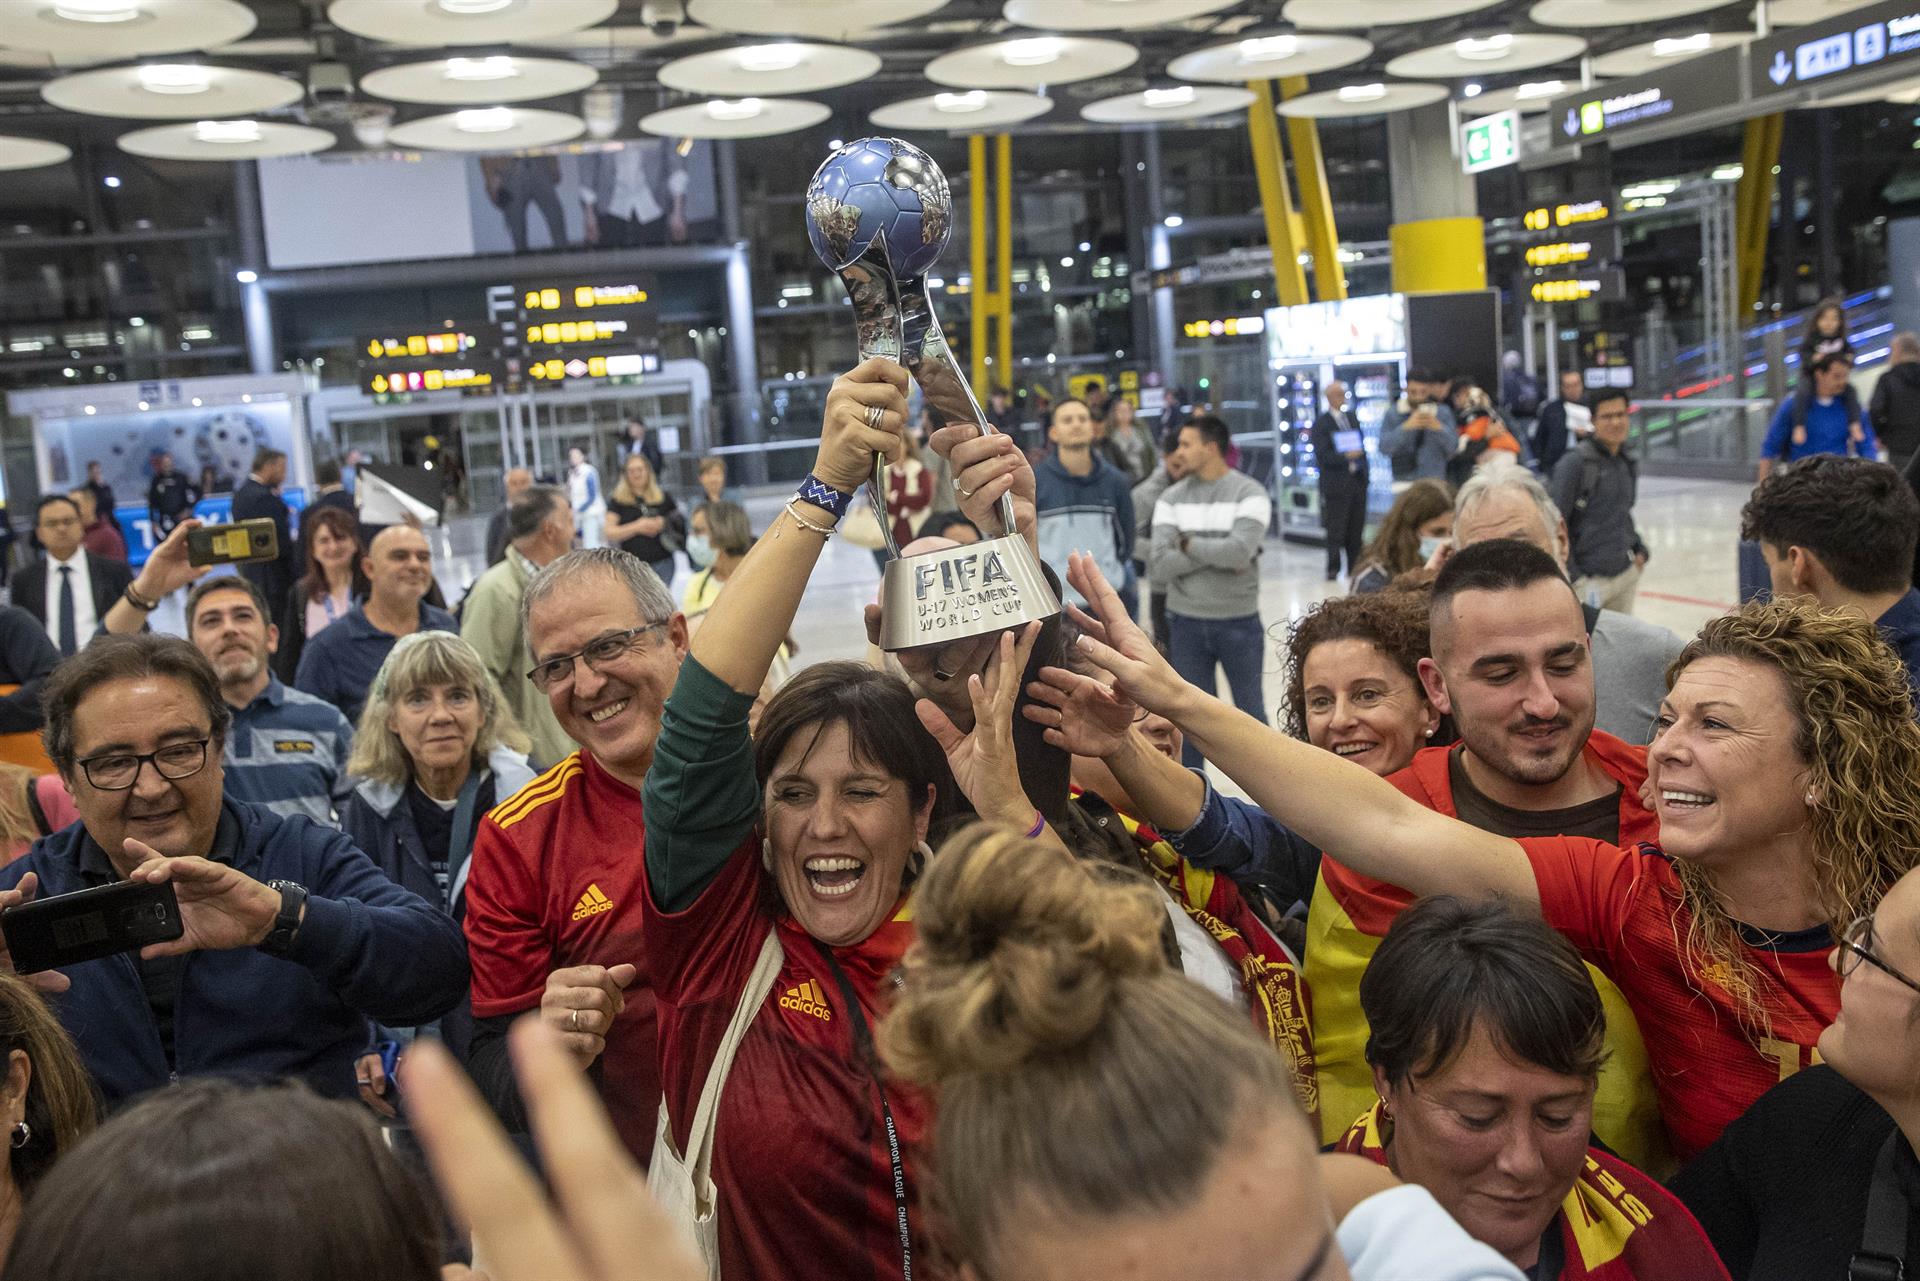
340,663
540,519
294,939
558,870
70,590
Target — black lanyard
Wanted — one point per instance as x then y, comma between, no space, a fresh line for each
1882,1255
863,1045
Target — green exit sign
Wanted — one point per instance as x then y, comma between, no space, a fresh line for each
1491,142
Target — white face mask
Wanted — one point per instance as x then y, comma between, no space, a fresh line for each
699,550
1429,545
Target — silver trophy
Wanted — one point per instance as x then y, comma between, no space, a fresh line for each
878,214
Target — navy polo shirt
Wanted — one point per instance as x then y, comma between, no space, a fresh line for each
287,752
339,664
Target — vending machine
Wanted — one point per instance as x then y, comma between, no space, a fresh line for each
1369,344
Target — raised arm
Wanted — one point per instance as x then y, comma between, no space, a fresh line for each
166,571
1352,814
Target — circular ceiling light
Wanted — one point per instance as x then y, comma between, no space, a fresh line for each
736,118
969,111
466,22
225,140
1487,54
1338,15
1267,56
777,69
1108,15
1185,102
31,153
498,78
171,91
79,30
820,19
1028,62
488,129
1615,13
1533,95
1362,100
1795,13
1656,55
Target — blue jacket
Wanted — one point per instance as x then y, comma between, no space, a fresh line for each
1827,432
367,950
1239,839
378,820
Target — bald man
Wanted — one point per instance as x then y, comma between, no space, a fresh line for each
499,526
340,663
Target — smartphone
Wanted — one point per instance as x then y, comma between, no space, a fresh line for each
88,924
240,543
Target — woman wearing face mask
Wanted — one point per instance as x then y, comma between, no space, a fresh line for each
1417,526
1099,1115
1786,1192
1783,762
699,539
1486,1048
436,748
642,518
778,869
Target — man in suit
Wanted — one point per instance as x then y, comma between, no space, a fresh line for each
170,498
68,591
640,441
1563,422
1341,454
259,499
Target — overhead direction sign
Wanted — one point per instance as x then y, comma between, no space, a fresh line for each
1491,142
1606,284
1711,82
1862,41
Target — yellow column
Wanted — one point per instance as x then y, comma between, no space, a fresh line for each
1003,245
1438,255
1289,282
1753,205
977,297
1316,200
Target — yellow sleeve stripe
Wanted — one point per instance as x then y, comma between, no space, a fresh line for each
550,786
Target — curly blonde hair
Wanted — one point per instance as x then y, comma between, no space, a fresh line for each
1855,730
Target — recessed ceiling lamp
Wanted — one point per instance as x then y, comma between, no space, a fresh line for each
771,57
467,8
735,109
1165,98
961,103
1362,93
227,131
494,67
484,120
1484,48
1036,52
96,10
175,77
1269,48
1681,46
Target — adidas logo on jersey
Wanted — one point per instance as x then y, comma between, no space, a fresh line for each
807,999
592,903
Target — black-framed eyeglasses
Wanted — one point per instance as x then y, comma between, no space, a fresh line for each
1856,945
599,652
118,771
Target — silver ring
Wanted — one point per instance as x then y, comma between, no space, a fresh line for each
573,1023
874,414
966,493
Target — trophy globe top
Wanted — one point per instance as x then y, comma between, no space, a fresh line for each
879,190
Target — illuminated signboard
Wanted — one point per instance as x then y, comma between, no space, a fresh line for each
1562,253
1572,214
1691,87
1608,284
449,342
1491,142
1231,327
580,297
572,331
1870,38
398,381
561,369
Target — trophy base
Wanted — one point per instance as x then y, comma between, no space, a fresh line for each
936,598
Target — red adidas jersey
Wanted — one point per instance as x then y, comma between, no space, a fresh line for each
1621,908
557,879
800,1159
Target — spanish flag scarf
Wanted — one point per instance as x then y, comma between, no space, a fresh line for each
1616,1224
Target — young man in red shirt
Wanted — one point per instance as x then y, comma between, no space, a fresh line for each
554,893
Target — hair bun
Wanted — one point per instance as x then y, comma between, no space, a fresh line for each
1020,950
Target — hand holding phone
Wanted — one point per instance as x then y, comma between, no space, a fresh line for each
26,892
48,933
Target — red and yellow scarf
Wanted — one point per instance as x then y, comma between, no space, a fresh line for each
1616,1224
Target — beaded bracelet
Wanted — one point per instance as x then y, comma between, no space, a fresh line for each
824,496
825,531
1039,825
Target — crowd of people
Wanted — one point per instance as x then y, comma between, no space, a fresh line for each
1529,940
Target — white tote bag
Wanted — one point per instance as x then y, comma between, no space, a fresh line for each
683,1185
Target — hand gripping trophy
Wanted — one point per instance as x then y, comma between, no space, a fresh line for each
878,214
